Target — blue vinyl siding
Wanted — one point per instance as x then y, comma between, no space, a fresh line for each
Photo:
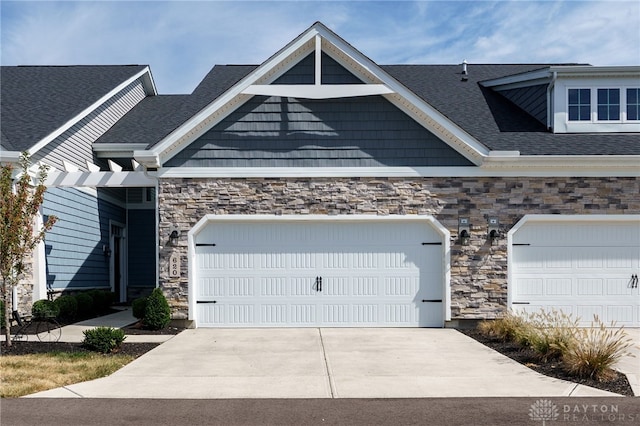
141,251
73,247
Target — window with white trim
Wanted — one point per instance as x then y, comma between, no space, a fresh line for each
608,104
579,104
633,104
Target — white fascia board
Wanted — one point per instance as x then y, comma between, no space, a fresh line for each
591,71
110,147
530,78
60,130
9,156
99,179
148,159
568,161
503,169
321,91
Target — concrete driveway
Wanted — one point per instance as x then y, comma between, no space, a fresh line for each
630,365
322,363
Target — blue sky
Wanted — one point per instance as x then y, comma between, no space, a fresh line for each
182,40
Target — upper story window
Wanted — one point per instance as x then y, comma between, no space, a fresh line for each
608,104
633,104
579,104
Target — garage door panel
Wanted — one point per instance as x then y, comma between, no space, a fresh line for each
584,269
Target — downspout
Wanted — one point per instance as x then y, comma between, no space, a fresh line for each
554,76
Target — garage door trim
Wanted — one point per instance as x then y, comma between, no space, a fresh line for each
221,219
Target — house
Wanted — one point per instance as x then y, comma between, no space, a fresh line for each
56,114
322,189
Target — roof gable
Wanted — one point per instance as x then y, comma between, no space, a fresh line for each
318,42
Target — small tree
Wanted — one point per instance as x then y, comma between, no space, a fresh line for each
20,203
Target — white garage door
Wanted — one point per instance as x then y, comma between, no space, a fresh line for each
305,274
586,269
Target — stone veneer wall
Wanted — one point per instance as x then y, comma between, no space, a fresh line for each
478,271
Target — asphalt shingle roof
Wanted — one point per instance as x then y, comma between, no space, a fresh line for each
157,116
37,100
494,120
486,115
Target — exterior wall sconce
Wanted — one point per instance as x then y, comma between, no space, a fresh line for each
464,234
174,236
493,230
106,250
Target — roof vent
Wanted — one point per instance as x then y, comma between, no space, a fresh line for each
464,67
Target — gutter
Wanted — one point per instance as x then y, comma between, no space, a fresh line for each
554,76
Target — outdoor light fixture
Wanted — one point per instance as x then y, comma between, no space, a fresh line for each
493,230
464,230
173,236
106,250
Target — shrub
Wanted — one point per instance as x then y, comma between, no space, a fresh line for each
103,339
138,307
102,300
550,333
507,327
157,313
595,350
85,304
68,307
44,309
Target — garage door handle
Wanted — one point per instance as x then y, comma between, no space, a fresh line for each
634,281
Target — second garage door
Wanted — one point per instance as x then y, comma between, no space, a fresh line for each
584,267
306,274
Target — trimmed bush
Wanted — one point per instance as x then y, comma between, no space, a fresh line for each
85,305
103,339
138,307
157,313
102,300
44,309
68,307
595,350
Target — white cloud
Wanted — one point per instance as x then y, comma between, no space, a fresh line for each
183,40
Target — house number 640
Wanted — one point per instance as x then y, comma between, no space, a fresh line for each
174,266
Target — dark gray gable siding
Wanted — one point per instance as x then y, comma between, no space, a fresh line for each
304,72
287,132
532,99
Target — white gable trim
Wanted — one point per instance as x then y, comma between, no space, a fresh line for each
320,91
318,36
149,86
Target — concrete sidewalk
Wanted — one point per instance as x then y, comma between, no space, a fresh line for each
73,333
630,365
322,363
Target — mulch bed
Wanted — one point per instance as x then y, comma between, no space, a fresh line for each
528,358
24,348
